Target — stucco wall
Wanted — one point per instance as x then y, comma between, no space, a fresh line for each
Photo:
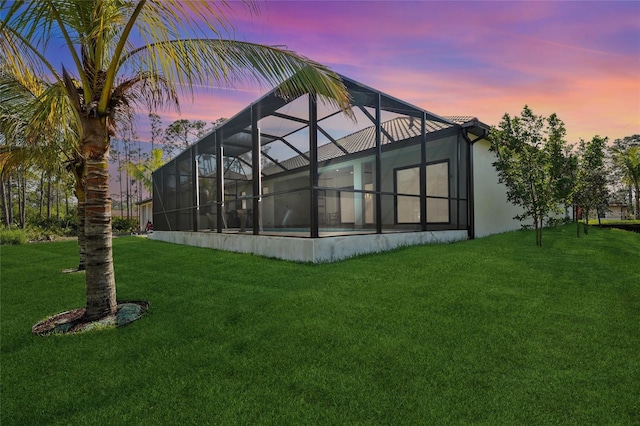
617,212
493,212
145,214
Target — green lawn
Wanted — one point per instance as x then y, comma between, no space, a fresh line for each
493,331
614,221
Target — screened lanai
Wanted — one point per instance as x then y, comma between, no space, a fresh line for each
303,168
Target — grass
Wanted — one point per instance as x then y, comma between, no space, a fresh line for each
614,221
493,331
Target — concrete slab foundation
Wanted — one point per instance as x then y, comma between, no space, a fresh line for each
315,250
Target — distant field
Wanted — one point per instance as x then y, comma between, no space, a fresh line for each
615,221
493,331
627,225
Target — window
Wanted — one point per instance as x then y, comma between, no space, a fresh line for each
347,211
368,204
407,184
438,192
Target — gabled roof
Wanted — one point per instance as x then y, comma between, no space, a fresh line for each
237,137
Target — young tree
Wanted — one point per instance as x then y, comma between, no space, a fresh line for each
563,165
531,164
126,54
591,191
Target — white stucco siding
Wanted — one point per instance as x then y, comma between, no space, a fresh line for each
145,210
493,213
617,212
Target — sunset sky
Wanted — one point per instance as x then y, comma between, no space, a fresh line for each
579,59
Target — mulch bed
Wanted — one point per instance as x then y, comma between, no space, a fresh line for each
73,321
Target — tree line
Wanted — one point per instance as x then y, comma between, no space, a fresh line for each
135,165
545,175
37,189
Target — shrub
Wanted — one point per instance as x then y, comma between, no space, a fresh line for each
37,233
40,227
553,222
122,225
13,236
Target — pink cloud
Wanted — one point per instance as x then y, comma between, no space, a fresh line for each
207,105
579,60
590,104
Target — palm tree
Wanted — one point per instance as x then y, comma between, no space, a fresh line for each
628,160
33,110
128,54
142,170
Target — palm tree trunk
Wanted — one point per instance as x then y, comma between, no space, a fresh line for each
100,278
78,175
82,242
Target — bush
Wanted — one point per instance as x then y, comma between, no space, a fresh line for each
13,236
50,227
122,225
36,233
553,222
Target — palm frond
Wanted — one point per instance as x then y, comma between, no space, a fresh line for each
31,112
147,91
227,62
12,158
177,51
